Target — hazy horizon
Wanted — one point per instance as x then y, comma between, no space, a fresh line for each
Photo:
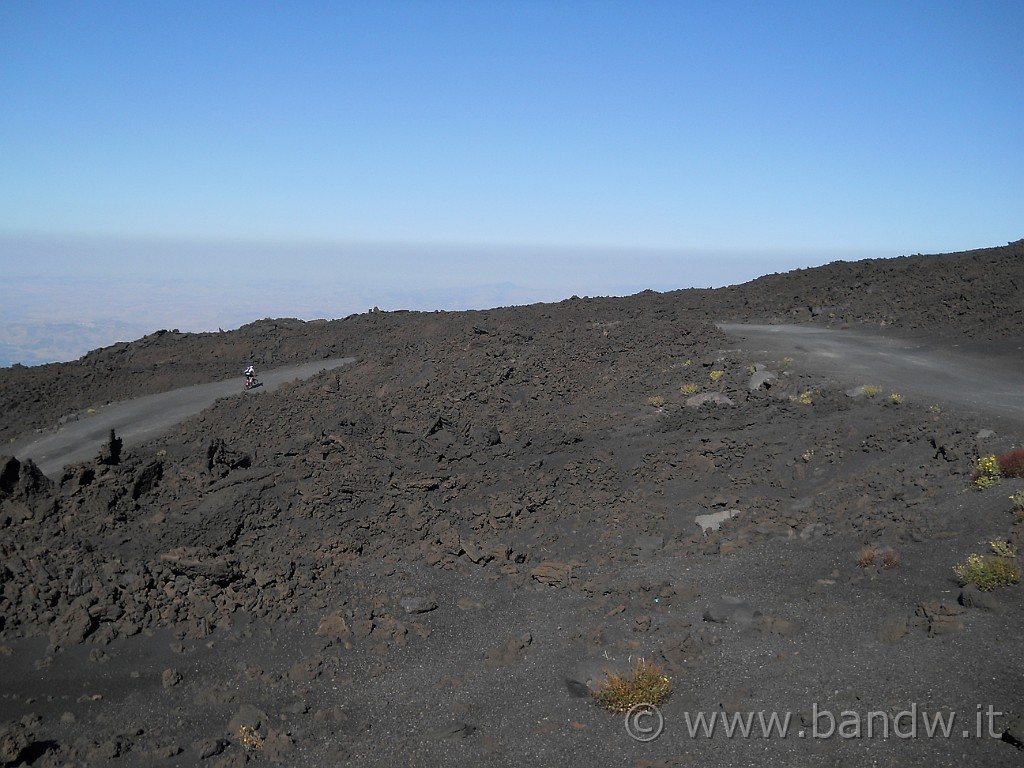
65,297
200,165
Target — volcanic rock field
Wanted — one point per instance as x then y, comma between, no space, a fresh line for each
433,554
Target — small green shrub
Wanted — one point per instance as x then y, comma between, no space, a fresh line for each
870,390
987,472
656,400
1003,548
646,684
250,739
688,389
804,398
1018,504
895,398
716,374
991,571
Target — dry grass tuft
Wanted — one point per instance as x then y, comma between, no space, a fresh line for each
646,684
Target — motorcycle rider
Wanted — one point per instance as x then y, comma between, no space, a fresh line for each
250,376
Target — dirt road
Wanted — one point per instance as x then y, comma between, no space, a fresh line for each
929,371
946,374
136,421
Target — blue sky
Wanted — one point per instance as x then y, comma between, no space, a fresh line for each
446,154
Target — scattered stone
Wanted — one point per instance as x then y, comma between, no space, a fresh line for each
860,391
306,670
938,617
1014,733
171,678
553,574
972,597
708,398
209,747
278,746
252,717
414,605
15,741
74,626
78,583
333,627
583,679
713,521
762,379
196,562
110,453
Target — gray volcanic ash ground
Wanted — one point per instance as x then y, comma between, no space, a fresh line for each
430,555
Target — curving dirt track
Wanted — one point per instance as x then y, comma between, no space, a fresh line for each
143,418
927,370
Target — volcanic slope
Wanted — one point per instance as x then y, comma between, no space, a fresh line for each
432,555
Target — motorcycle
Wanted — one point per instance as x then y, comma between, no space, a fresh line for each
251,382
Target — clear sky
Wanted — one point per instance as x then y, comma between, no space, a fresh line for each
435,154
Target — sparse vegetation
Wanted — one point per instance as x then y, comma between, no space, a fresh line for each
871,555
656,400
987,572
1003,548
250,739
866,557
646,684
786,362
896,398
987,472
1011,463
804,398
716,374
1017,500
871,390
688,389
